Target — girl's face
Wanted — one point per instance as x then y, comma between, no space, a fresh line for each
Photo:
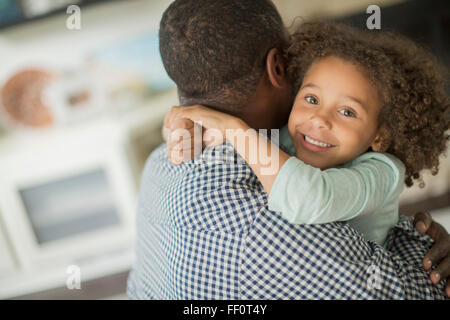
334,117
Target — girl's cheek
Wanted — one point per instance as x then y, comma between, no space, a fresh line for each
293,119
292,123
300,114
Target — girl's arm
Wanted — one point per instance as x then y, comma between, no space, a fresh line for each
308,195
263,157
302,193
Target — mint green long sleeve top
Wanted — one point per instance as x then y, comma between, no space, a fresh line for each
365,192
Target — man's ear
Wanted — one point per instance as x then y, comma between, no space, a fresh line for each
382,141
276,68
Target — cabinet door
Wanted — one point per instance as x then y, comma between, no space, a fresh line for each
7,263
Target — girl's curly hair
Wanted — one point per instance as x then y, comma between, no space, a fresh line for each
408,78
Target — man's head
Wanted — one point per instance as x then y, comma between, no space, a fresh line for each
228,54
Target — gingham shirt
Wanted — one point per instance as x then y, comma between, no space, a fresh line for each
204,231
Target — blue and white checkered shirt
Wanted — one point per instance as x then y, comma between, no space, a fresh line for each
204,231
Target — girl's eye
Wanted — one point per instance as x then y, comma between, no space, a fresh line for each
347,113
311,99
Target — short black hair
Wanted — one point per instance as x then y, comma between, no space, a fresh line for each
215,50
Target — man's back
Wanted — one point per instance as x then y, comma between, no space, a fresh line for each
205,232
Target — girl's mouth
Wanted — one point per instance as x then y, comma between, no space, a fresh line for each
315,145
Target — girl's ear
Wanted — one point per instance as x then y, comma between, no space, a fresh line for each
382,141
276,68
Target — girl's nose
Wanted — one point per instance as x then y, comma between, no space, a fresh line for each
320,121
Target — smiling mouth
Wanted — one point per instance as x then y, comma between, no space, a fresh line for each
314,144
317,142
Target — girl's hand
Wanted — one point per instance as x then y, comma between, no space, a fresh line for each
185,139
180,147
206,117
219,127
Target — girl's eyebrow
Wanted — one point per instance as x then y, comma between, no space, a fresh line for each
310,85
357,101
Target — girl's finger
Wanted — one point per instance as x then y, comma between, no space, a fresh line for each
196,113
181,123
182,130
175,156
172,115
176,146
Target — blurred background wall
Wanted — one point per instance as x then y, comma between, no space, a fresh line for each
82,100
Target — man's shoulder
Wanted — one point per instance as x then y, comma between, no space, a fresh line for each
217,163
217,191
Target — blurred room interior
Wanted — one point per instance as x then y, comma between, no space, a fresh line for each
81,108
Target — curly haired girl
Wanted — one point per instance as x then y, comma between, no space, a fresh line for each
368,117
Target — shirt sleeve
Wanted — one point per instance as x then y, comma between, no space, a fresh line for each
307,195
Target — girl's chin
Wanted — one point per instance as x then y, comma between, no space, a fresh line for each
310,162
316,163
